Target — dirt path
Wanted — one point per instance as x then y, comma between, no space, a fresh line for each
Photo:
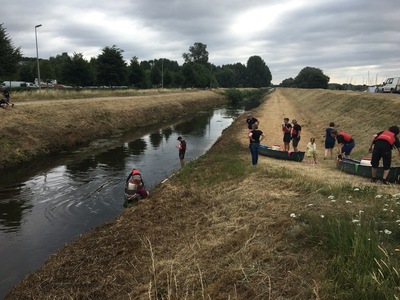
271,114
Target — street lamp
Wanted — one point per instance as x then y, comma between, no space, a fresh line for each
37,55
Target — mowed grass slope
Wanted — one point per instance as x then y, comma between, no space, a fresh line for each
222,229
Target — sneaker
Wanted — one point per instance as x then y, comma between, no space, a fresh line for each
12,105
373,180
385,182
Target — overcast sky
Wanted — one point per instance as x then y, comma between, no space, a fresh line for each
352,41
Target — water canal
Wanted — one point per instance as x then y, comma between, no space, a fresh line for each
50,202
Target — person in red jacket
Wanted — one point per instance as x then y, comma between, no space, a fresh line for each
134,188
382,144
345,143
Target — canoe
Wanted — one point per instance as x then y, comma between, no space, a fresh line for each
286,155
355,167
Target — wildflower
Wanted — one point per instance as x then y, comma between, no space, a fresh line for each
385,209
322,216
378,196
348,201
293,215
350,197
331,197
387,231
356,189
333,201
355,221
397,221
310,204
396,195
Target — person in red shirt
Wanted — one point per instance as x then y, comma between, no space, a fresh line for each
382,144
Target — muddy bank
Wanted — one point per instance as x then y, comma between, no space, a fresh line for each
40,128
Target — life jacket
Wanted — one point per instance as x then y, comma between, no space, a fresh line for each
346,137
387,136
136,172
286,129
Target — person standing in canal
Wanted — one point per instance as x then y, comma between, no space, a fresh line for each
182,150
255,137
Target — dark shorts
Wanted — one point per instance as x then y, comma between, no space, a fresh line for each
295,141
181,154
346,148
329,144
382,151
286,138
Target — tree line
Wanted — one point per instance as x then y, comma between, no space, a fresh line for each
110,69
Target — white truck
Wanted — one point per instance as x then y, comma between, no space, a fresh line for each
17,84
391,85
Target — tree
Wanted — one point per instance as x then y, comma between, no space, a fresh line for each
197,54
111,67
231,76
77,71
312,78
135,73
155,76
9,55
288,82
58,64
258,72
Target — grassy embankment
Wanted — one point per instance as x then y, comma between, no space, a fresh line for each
222,229
36,127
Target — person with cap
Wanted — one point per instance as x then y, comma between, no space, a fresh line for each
182,150
296,133
382,144
345,143
250,121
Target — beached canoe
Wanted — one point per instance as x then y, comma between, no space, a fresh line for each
287,155
356,167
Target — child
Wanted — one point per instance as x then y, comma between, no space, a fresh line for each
312,151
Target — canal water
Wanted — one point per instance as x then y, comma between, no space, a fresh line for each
48,203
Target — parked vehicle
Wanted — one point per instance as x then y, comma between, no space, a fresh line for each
391,85
18,84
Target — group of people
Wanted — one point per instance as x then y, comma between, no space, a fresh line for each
381,145
134,184
4,102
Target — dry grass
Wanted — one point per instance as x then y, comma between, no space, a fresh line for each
202,237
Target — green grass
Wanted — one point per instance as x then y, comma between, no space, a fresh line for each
360,249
